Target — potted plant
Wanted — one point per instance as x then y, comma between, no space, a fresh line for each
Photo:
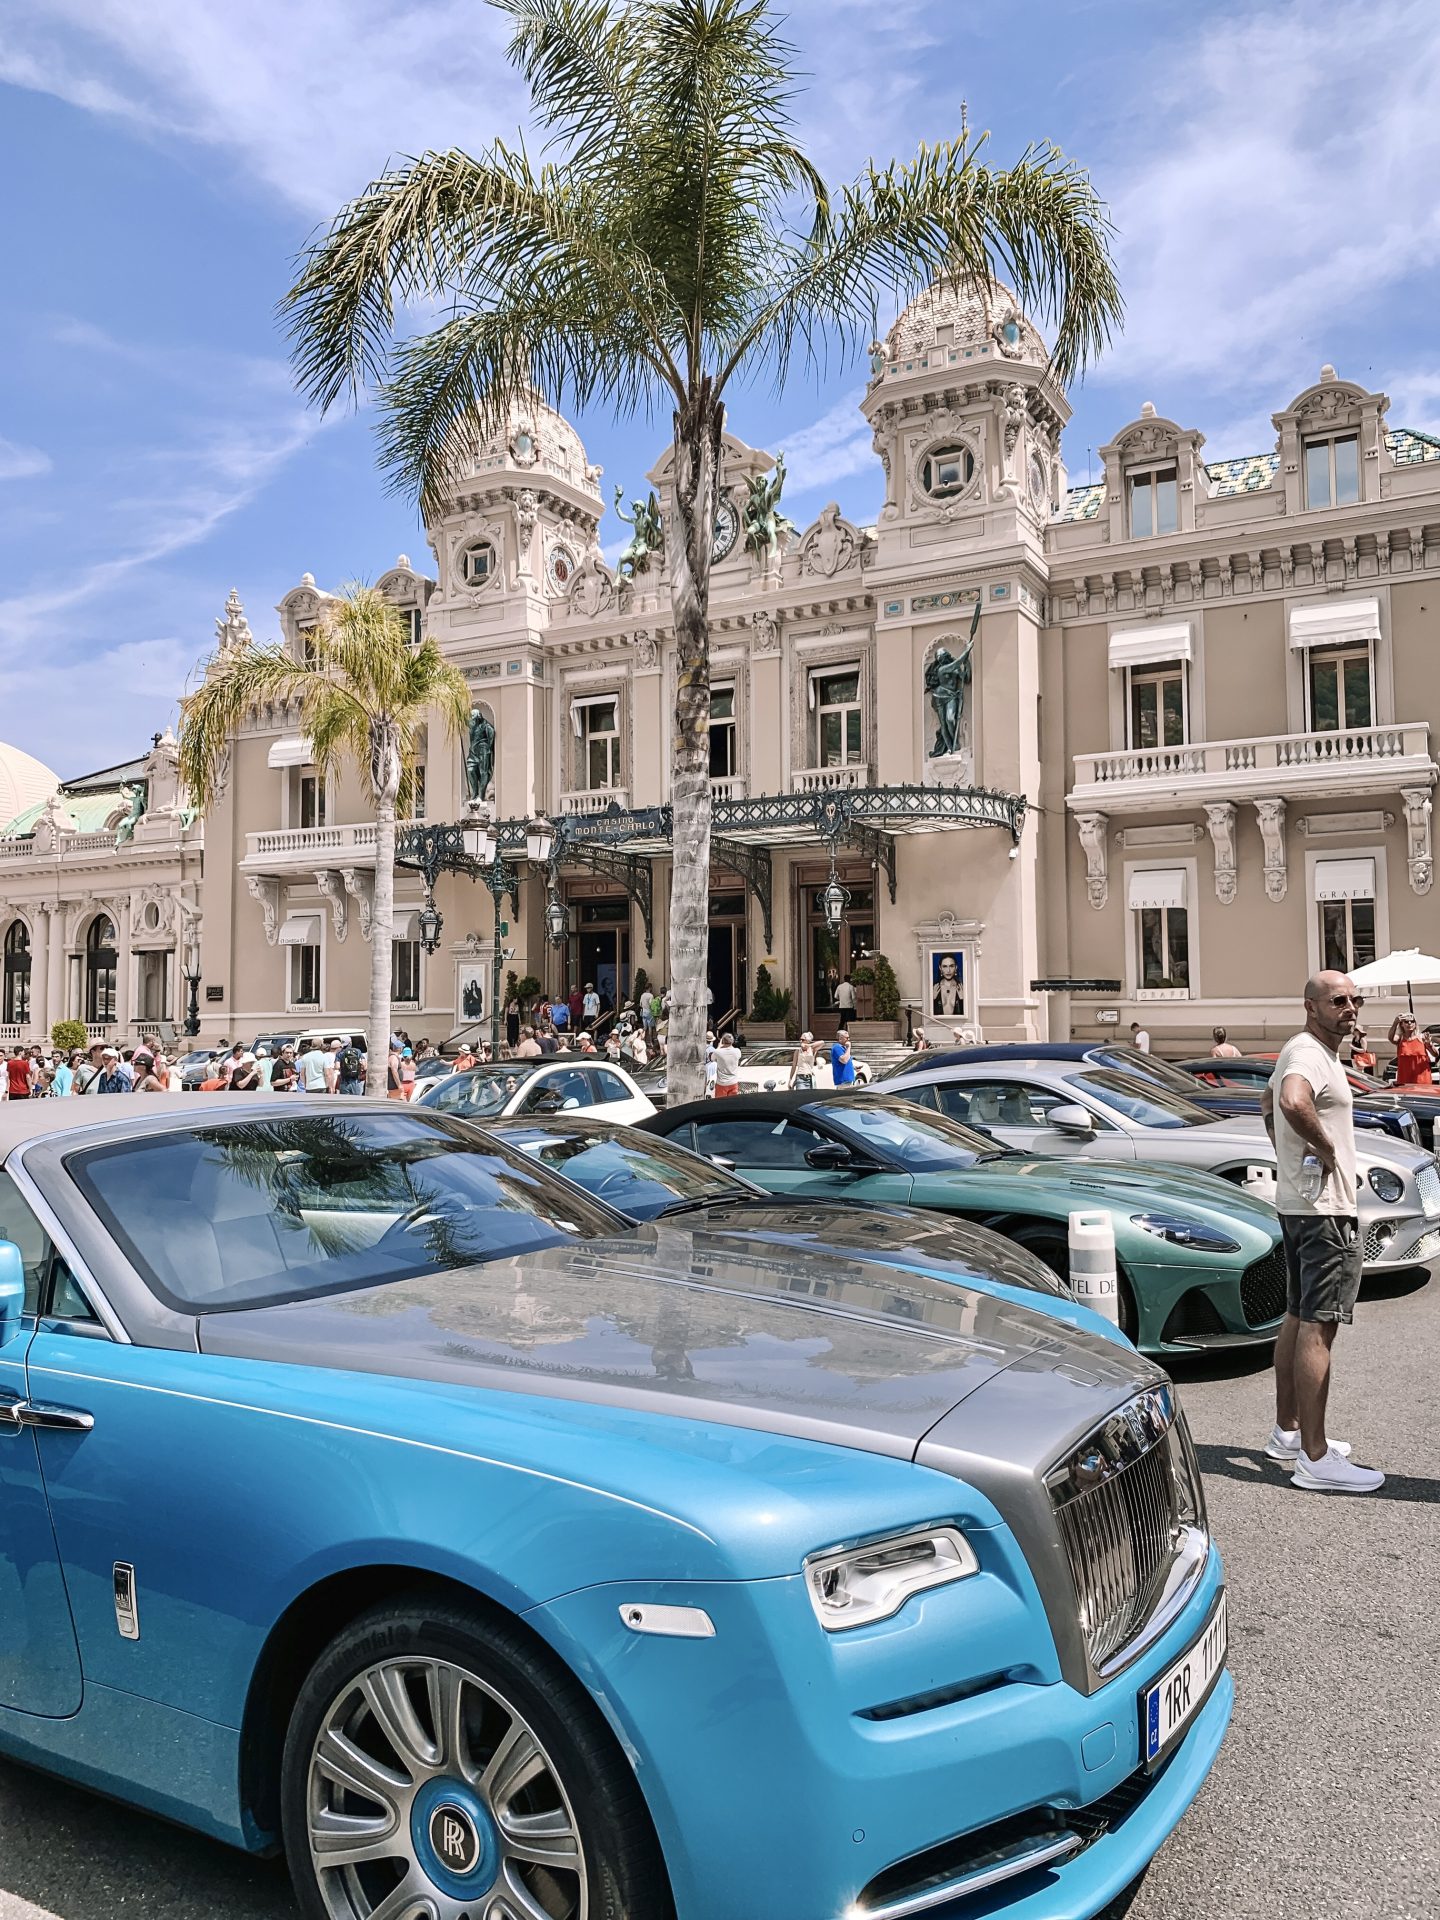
769,1010
862,978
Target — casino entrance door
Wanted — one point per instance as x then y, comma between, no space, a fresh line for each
832,957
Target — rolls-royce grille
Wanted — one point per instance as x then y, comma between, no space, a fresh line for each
1124,1501
1262,1288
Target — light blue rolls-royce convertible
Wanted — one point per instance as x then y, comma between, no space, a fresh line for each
366,1489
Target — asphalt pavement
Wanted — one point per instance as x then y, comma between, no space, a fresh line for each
1323,1804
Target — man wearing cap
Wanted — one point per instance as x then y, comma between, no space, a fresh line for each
112,1077
264,1065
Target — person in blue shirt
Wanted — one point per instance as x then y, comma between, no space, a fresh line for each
842,1067
63,1081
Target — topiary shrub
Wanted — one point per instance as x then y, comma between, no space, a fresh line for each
887,988
67,1035
512,985
770,1002
641,986
529,990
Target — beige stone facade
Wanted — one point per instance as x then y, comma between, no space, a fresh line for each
1213,685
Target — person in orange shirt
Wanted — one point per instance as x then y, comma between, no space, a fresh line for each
1414,1055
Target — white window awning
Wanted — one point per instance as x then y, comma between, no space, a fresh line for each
1158,887
583,700
300,930
290,750
1147,646
1344,879
1347,618
405,923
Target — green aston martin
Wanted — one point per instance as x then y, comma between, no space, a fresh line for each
1200,1263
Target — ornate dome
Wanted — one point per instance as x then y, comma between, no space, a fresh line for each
977,318
535,438
24,783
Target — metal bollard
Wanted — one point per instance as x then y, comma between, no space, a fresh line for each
1093,1279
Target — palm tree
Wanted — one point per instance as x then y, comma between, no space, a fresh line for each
363,692
677,240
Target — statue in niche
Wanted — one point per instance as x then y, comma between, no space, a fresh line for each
648,536
479,754
947,681
766,528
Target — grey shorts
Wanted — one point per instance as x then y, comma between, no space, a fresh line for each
1323,1258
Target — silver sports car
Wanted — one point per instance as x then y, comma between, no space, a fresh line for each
1072,1106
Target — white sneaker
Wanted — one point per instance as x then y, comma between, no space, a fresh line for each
1333,1473
1285,1446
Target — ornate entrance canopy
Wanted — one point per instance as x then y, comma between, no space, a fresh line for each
623,842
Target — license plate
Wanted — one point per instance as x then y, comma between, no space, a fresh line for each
1168,1707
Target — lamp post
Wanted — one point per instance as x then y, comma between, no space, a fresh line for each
541,847
192,981
483,848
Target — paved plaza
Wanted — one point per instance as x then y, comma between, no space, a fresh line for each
1321,1806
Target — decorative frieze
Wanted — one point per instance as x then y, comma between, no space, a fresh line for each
1312,825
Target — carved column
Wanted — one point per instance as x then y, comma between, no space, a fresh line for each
1271,815
1418,809
43,932
1094,831
1220,818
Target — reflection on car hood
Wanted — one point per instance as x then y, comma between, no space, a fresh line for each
826,1348
1133,1183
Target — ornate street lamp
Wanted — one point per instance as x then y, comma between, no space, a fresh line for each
480,845
557,920
539,841
192,979
431,920
834,900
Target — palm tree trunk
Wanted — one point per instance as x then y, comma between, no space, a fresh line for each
689,536
385,786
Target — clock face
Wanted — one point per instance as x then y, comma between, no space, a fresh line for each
1037,479
727,526
559,567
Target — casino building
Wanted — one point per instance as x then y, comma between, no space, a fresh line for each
1069,757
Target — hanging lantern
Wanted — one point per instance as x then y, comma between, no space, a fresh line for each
539,840
834,901
480,845
430,922
557,921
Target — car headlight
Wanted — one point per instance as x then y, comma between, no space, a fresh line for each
1385,1184
856,1585
1185,1233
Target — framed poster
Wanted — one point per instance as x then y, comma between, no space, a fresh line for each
471,988
947,985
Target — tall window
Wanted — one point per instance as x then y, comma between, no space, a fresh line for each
1154,503
405,972
1164,947
312,800
417,793
838,730
1157,705
305,636
304,976
17,974
1347,934
101,966
1339,688
1332,471
600,744
414,618
722,733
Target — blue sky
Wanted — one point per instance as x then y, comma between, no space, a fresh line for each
1271,168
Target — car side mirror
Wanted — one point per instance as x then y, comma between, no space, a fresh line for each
1072,1119
719,1160
12,1291
572,1105
829,1156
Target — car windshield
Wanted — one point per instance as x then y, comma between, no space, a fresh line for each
641,1174
252,1212
1146,1066
480,1091
1147,1105
768,1056
921,1140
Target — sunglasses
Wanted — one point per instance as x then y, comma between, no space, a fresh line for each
1347,1000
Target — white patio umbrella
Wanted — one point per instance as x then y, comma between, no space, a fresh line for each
1409,968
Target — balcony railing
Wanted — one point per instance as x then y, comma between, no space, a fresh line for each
1347,760
595,799
828,779
730,786
81,846
300,847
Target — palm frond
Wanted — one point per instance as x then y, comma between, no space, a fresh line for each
211,716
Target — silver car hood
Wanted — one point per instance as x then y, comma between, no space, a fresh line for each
829,1348
1371,1146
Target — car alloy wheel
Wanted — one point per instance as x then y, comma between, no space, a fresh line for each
430,1797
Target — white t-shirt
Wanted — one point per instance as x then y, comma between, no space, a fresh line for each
1304,1055
727,1066
312,1067
1142,1040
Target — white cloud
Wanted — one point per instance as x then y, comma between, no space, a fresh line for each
1277,179
19,462
831,448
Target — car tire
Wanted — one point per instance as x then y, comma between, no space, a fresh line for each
1055,1252
525,1782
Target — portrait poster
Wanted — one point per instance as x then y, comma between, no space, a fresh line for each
947,994
470,991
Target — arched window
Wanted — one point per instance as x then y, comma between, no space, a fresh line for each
17,974
101,964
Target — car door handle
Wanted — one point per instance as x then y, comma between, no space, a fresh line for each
29,1413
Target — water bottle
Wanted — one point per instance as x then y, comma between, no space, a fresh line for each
1311,1178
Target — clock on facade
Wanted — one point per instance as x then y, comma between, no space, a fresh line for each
1037,480
727,526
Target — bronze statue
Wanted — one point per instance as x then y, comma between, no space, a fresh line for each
947,680
765,526
134,798
648,536
480,755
